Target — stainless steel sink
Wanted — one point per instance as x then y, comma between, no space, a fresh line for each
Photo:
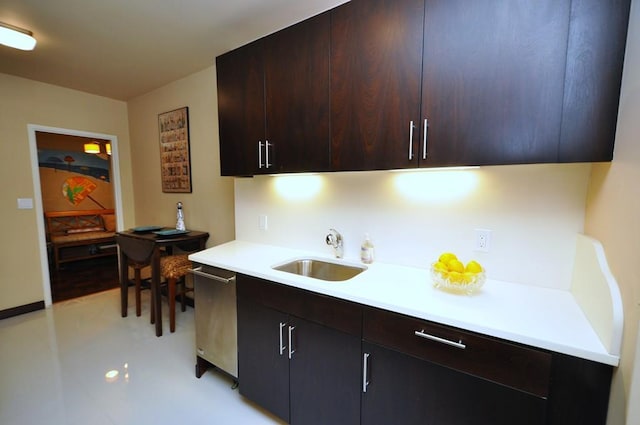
319,269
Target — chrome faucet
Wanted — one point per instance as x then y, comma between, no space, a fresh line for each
335,240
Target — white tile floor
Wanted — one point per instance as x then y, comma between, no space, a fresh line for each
53,366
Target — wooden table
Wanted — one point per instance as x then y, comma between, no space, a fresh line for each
148,246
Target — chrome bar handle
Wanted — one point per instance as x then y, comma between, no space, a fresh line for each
282,346
458,344
198,271
291,350
259,155
365,372
424,139
411,127
266,154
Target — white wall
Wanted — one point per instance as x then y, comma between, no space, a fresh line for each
533,211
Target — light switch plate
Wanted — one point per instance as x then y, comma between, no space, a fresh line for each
263,222
25,203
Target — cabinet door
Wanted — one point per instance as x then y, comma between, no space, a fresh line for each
297,96
263,369
240,109
493,78
597,37
324,375
398,389
376,60
404,389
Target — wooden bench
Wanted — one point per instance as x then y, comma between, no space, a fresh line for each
79,235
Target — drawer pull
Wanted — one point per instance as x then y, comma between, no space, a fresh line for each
260,155
266,154
291,350
198,271
424,140
458,344
282,346
365,372
411,127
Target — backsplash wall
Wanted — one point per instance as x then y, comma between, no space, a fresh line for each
533,212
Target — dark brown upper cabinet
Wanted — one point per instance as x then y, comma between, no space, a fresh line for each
521,81
376,64
274,102
595,56
492,81
501,82
386,84
297,96
240,109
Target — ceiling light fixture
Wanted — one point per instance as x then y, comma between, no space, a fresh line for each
16,37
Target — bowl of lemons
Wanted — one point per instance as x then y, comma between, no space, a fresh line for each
451,274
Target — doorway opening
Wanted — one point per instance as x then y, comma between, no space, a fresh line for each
80,195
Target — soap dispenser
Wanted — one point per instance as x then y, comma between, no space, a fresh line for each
366,250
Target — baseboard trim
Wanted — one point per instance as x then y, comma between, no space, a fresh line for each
16,311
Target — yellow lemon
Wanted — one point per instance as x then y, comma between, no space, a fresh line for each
455,265
440,267
468,277
446,257
456,277
473,267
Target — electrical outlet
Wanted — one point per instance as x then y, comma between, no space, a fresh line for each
483,240
263,223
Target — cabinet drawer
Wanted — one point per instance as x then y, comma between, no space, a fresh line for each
332,312
502,362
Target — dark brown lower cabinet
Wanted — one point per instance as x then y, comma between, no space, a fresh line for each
406,390
324,375
263,373
424,373
314,359
420,372
302,371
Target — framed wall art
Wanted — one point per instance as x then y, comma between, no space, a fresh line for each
175,158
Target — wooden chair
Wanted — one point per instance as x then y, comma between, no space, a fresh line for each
140,253
174,268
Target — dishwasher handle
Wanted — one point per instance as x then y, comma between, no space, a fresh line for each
198,271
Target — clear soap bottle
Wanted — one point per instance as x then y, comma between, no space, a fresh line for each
366,250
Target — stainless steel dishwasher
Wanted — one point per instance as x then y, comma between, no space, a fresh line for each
216,319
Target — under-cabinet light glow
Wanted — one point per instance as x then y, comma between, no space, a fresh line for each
297,187
436,186
437,169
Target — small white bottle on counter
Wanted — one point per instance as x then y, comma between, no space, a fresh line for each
366,250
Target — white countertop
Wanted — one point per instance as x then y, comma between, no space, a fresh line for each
540,317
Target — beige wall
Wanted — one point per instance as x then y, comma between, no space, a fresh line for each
24,102
210,205
613,215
